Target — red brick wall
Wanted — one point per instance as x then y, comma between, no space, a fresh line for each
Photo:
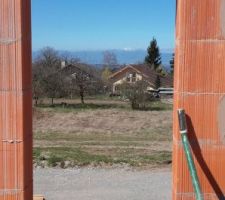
199,89
15,100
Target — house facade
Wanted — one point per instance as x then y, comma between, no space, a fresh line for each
133,73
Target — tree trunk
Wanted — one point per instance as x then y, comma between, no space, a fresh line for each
82,97
52,101
134,105
82,94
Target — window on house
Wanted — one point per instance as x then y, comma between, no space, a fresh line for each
131,77
128,77
116,88
134,76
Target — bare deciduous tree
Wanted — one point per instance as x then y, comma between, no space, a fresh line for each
82,79
46,78
53,80
109,59
37,82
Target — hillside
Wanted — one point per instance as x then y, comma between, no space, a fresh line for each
123,56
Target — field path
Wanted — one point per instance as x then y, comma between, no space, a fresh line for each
103,184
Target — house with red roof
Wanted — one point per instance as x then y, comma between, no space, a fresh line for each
133,73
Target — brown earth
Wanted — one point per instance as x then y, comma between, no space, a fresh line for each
109,132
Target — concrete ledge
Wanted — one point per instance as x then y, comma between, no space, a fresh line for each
38,197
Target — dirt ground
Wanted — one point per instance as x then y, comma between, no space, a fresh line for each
108,151
103,121
106,134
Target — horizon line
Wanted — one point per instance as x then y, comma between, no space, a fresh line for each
163,50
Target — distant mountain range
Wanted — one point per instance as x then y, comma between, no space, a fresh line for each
123,56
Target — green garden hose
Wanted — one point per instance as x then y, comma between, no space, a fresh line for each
186,146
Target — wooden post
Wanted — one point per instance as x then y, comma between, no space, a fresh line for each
15,100
200,90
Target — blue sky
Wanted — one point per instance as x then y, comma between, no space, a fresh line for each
102,24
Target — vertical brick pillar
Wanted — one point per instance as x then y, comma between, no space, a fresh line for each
200,90
15,100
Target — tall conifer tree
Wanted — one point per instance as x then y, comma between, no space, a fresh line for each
153,58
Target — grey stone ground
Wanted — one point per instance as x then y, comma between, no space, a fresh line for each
102,184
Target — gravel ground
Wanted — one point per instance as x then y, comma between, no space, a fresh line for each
103,184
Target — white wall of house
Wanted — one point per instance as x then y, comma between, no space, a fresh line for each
138,77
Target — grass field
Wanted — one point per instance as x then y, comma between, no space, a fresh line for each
102,133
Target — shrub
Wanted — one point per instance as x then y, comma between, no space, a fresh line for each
136,93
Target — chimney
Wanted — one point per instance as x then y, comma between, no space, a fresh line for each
63,64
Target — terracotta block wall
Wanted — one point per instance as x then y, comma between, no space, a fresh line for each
15,100
200,90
